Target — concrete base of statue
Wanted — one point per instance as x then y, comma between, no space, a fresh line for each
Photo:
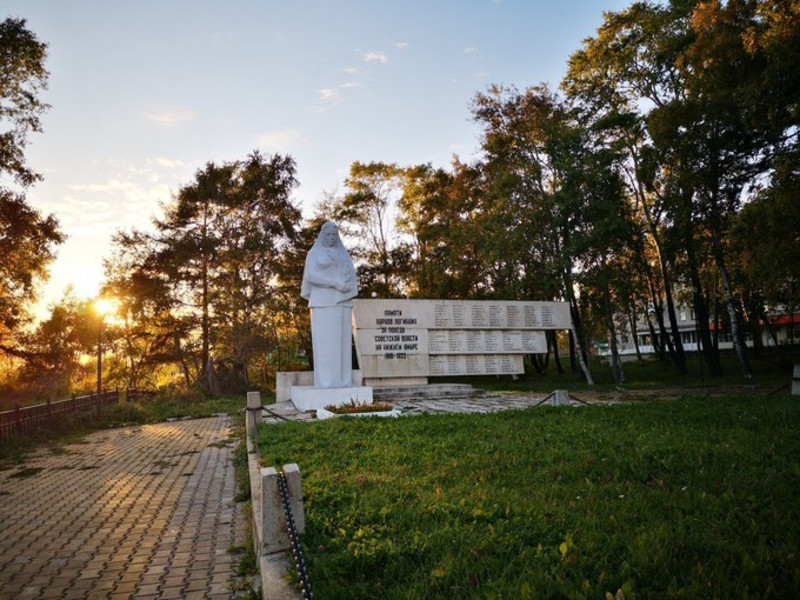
308,398
286,380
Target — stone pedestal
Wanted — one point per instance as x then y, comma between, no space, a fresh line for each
307,398
286,380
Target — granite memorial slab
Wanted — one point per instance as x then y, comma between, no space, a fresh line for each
400,339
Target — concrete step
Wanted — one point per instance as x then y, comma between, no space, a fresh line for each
428,392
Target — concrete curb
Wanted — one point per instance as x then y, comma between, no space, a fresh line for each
273,568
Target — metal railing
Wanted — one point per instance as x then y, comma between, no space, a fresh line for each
27,420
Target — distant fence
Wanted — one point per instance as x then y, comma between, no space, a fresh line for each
26,420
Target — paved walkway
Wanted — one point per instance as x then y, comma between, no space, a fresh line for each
487,403
138,512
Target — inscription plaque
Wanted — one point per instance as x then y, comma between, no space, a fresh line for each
401,338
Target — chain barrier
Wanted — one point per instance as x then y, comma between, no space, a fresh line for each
294,539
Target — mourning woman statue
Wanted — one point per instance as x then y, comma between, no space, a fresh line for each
329,285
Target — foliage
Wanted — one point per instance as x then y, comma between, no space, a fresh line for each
157,408
201,292
24,78
358,407
692,498
685,90
58,344
366,216
662,175
27,239
765,243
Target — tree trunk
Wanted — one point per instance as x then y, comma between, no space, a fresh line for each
204,323
575,328
663,338
579,351
211,378
205,353
546,360
710,352
680,356
573,361
632,325
736,330
753,316
537,365
608,313
553,342
675,347
182,360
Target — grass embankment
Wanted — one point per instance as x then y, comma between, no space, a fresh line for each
772,370
151,409
695,498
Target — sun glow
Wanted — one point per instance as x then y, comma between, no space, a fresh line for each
105,305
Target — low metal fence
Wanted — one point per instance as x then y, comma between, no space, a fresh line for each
26,420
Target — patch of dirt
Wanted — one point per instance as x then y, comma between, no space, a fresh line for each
26,472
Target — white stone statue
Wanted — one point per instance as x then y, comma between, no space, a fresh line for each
329,285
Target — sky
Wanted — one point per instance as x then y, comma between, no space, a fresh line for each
143,93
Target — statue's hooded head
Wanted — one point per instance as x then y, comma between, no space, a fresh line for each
328,241
329,236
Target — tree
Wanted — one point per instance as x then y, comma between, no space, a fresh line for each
55,348
439,213
23,77
27,239
765,243
552,199
702,78
27,244
366,214
153,332
621,76
257,225
208,272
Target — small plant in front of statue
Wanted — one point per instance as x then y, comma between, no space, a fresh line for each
353,407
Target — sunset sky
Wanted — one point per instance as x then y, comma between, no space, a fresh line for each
145,92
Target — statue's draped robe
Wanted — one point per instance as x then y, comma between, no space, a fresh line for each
328,270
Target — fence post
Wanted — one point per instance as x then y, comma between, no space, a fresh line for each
274,537
99,403
252,412
49,413
274,534
17,419
295,488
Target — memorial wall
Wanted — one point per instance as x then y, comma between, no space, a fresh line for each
407,341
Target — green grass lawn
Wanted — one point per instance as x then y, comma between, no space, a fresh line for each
695,498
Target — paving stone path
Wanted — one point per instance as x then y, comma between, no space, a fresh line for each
138,512
487,403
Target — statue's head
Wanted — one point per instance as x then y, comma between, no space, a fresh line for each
329,234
